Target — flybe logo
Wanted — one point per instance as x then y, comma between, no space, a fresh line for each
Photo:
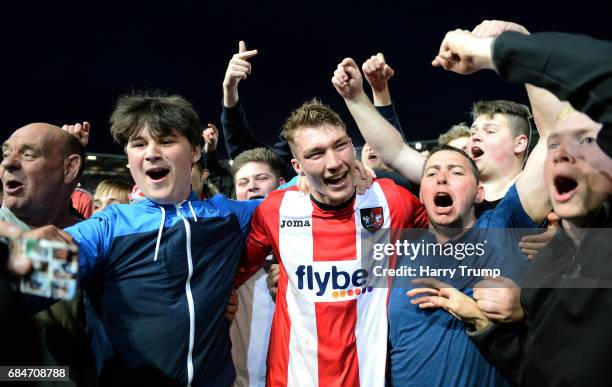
337,281
295,223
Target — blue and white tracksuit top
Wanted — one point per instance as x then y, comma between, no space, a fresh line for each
160,276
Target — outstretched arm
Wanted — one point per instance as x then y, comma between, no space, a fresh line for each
544,105
558,62
545,108
464,52
386,141
552,60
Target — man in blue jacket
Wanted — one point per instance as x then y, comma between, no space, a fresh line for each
159,273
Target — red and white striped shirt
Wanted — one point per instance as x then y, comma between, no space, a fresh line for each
329,327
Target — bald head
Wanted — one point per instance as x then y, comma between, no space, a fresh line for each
40,169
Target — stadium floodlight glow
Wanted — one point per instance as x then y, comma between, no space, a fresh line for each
91,157
418,145
231,162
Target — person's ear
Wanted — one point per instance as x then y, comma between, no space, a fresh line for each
72,165
196,154
520,144
297,167
204,174
281,181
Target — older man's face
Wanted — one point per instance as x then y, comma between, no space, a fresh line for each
32,169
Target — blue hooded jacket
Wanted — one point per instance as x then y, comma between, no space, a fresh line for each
160,276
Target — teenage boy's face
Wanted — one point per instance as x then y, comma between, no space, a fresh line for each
576,185
449,189
162,168
325,155
492,145
254,180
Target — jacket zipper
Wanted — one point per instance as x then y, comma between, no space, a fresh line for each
189,296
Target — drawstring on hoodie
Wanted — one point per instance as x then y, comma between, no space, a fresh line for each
163,220
159,234
195,218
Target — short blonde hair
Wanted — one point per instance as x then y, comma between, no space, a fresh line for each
313,113
455,132
117,188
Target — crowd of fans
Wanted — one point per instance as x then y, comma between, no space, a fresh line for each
194,274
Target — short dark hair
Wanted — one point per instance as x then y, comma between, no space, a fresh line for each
518,116
258,155
471,162
162,114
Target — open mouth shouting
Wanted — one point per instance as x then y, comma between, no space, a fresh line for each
564,188
443,202
476,153
372,156
13,187
157,174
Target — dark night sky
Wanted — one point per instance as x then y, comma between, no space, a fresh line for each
67,61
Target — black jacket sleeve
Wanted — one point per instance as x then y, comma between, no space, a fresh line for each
389,113
576,68
239,137
237,132
503,345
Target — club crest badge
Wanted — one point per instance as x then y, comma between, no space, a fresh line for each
372,218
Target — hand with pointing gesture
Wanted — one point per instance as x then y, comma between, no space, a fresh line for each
238,69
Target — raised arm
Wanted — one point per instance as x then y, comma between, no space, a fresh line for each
545,108
382,136
544,105
465,53
80,131
377,73
576,68
236,130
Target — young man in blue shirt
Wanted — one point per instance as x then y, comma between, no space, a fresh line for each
159,273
